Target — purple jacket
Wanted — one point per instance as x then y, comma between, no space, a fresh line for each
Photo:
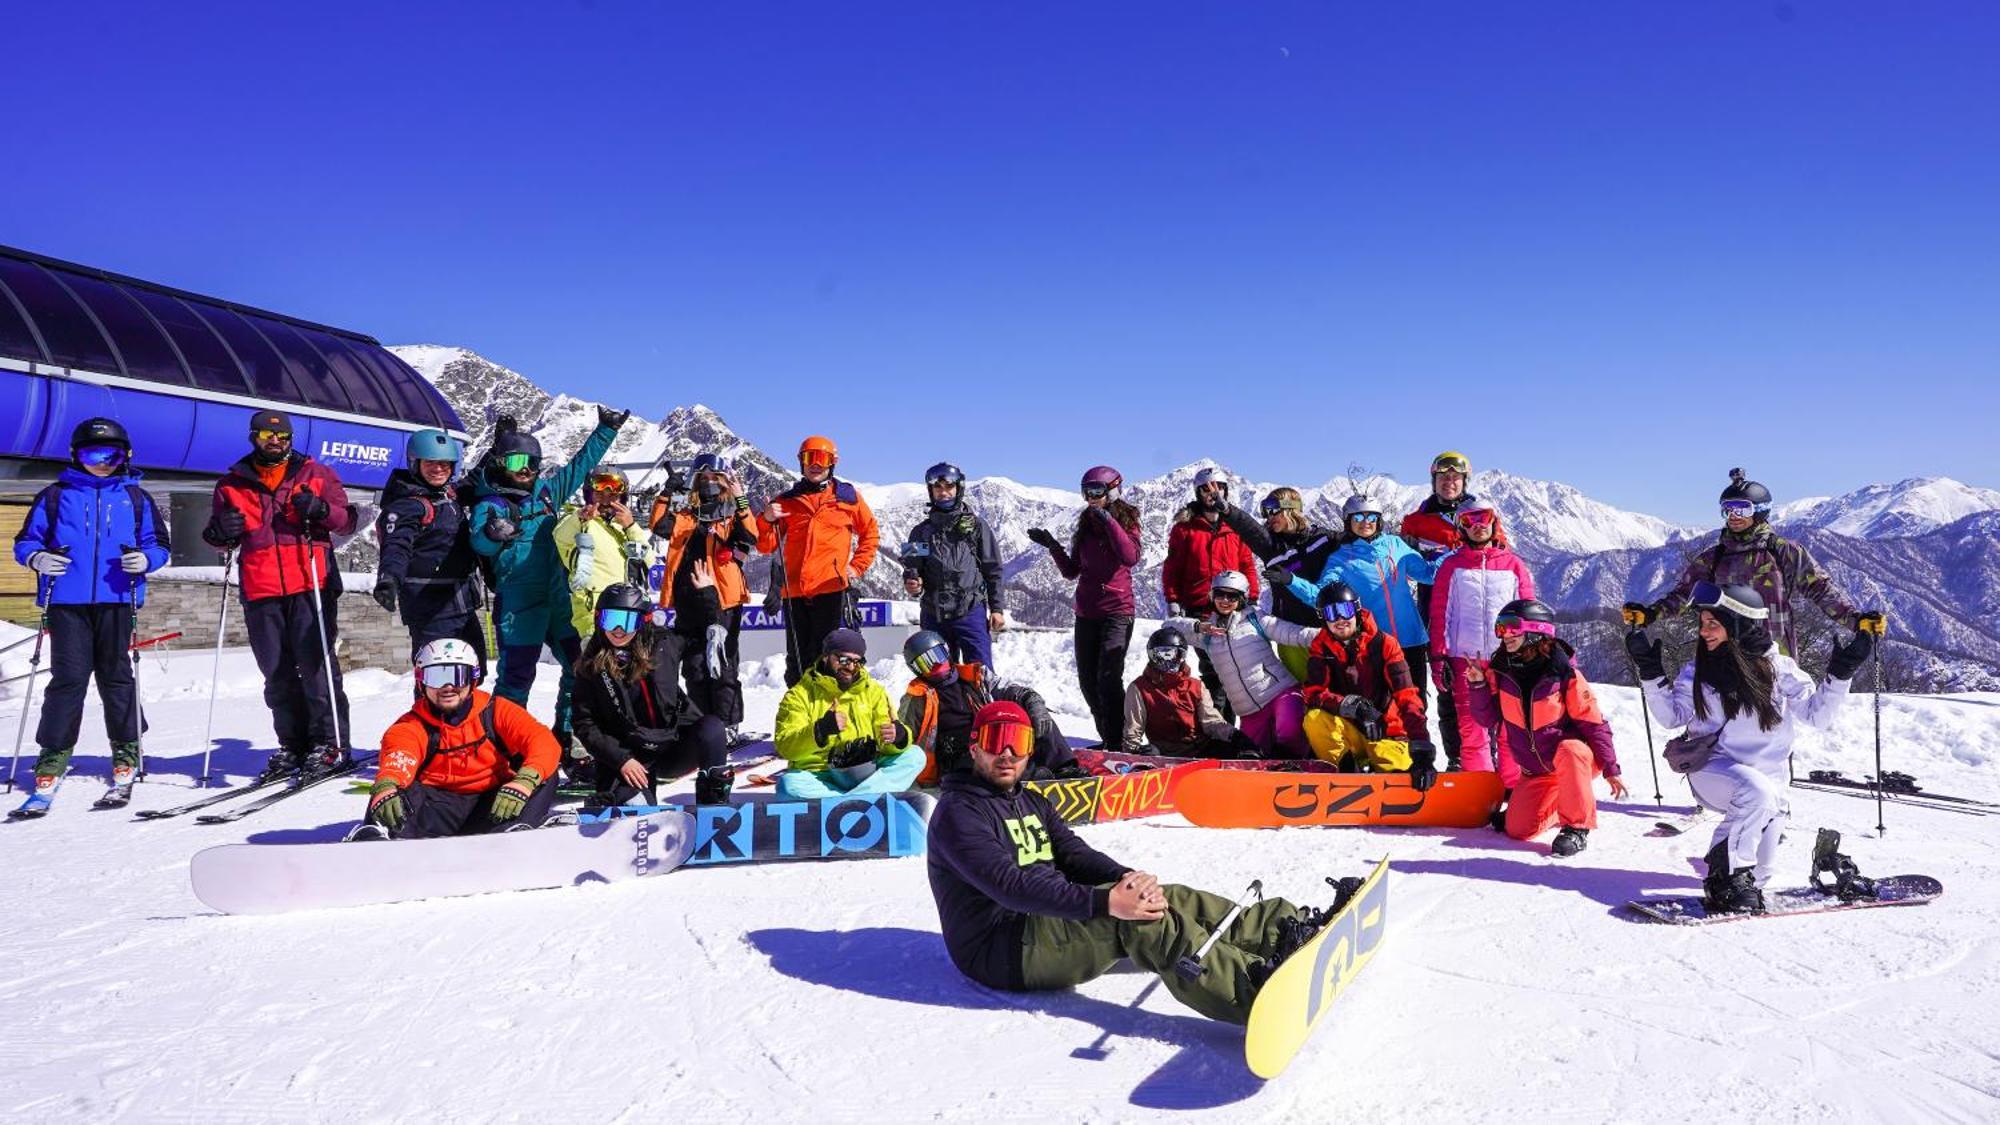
1100,557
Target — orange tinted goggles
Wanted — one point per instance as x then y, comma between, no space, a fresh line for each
816,458
1005,738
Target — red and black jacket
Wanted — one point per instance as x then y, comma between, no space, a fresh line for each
276,548
1372,665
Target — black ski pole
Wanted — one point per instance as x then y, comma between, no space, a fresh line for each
42,585
1645,717
1880,828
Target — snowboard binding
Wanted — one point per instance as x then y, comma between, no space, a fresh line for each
1848,881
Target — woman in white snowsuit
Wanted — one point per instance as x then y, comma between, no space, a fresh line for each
1754,699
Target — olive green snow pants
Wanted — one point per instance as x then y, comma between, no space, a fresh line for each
1060,953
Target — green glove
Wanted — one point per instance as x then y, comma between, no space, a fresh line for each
385,805
513,796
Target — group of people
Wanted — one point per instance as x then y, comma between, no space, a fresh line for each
1366,627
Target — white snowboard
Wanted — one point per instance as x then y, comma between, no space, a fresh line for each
276,878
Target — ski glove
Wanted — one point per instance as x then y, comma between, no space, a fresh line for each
513,796
847,755
1849,657
132,561
310,507
500,529
1359,710
49,563
1646,654
1423,764
1638,615
1872,621
613,419
1277,577
715,651
225,528
828,726
1043,537
384,594
385,805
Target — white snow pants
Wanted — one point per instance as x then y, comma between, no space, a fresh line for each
1753,808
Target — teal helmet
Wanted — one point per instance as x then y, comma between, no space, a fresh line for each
429,445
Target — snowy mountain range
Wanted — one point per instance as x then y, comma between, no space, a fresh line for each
1928,549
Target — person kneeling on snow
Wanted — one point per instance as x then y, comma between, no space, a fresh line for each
1168,711
837,731
630,711
1025,905
1364,710
1549,726
942,698
1752,699
460,762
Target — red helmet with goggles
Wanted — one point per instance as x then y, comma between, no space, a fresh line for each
1003,728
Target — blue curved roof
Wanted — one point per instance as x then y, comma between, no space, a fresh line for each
100,325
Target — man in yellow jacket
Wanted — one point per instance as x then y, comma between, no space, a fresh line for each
598,543
838,732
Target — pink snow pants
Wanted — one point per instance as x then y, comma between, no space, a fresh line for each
1278,728
1545,800
1475,750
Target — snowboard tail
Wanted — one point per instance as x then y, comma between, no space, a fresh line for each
1095,800
1302,989
1238,799
1687,910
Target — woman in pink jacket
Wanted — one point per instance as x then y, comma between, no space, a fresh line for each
1473,582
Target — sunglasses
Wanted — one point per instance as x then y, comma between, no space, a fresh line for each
516,462
1222,595
271,435
845,660
100,456
618,620
1510,625
1339,611
1096,491
1005,738
1738,509
933,659
448,675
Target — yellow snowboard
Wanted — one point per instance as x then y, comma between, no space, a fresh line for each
1298,995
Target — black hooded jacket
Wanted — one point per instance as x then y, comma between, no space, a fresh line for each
426,551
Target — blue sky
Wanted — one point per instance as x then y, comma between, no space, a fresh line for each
1624,245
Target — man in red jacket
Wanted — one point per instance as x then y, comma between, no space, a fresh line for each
1199,547
279,510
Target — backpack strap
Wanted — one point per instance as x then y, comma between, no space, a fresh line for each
489,732
51,508
492,731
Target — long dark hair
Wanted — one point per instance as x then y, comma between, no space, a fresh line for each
1746,681
1126,515
600,657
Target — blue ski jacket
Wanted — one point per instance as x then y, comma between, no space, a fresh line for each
95,518
1380,571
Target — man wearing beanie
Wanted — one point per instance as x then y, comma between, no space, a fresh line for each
838,732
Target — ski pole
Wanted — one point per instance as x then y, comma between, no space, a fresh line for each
215,679
138,695
1646,718
1880,829
325,649
28,694
1190,967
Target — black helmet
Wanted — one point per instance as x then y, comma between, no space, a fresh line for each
1337,600
1529,609
711,463
99,431
1167,649
944,472
1739,608
929,657
1742,487
709,504
622,595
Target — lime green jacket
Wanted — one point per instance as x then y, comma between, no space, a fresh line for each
817,692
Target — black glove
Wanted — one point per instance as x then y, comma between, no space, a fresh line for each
1646,654
827,727
1357,708
310,507
500,529
1044,537
1638,615
225,528
847,755
385,594
1850,656
1423,764
1277,577
606,416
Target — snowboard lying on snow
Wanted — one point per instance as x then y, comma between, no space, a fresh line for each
1108,762
275,878
873,826
1687,910
1300,992
1242,799
1095,800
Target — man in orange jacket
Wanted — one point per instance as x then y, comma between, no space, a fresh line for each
824,537
460,762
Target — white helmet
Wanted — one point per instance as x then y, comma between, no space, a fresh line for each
1231,580
447,651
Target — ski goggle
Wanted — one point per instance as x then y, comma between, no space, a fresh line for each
1005,738
1451,463
618,620
261,436
1707,595
1167,656
930,661
1738,509
606,483
516,462
448,675
1271,507
1513,625
942,482
1096,491
1365,517
1478,517
100,456
816,458
1339,611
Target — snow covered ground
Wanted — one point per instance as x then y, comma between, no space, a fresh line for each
1509,987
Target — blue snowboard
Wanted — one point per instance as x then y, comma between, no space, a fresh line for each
878,826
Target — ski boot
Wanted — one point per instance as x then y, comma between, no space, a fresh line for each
711,785
1498,821
322,761
1729,892
1569,841
38,802
1848,881
282,766
124,771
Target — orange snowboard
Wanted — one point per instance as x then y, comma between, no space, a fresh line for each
1237,799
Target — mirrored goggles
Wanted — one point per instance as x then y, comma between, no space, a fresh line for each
261,436
1271,508
1340,611
516,462
100,456
1365,517
1477,518
1167,654
930,661
1096,491
816,459
618,620
1005,738
1451,463
606,484
1738,509
448,675
1512,625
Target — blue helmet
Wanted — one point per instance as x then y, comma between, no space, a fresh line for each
429,445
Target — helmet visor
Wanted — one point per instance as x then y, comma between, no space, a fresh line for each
448,675
100,456
1005,738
